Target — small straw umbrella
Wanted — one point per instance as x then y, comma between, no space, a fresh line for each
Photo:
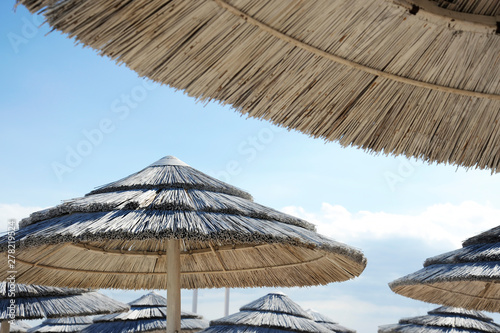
146,314
468,277
403,77
329,323
170,219
63,325
36,302
444,320
272,313
19,327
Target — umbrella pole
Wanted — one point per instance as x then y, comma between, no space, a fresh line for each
173,286
5,327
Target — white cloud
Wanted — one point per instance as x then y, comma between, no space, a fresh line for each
14,211
437,223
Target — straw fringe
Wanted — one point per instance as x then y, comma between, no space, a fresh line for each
369,75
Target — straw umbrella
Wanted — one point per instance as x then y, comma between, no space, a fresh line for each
25,302
467,278
19,327
329,323
272,313
170,218
63,325
404,77
444,320
146,314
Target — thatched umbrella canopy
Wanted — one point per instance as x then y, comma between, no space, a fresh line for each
403,77
172,218
272,313
444,320
19,327
147,314
467,278
327,322
36,302
63,325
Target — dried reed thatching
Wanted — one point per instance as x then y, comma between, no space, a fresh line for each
403,77
444,320
19,327
62,325
147,314
329,323
117,235
272,313
36,302
467,278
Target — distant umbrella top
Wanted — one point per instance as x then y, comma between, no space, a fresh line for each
404,77
444,320
146,314
116,235
272,313
468,277
328,323
36,302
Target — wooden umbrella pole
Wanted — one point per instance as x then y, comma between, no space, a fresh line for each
173,286
5,327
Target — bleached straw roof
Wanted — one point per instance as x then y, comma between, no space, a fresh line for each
36,302
147,314
115,237
444,320
327,322
272,313
403,77
62,325
19,327
467,278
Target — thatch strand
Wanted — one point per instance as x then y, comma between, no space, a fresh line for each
328,323
468,277
369,74
444,320
19,327
146,314
274,312
117,235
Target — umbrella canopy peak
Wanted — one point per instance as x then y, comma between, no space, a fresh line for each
169,160
444,320
329,323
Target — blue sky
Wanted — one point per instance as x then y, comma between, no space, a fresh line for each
73,120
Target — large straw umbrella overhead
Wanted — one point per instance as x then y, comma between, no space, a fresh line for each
444,320
404,77
272,313
63,325
467,278
171,218
329,323
146,314
36,302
